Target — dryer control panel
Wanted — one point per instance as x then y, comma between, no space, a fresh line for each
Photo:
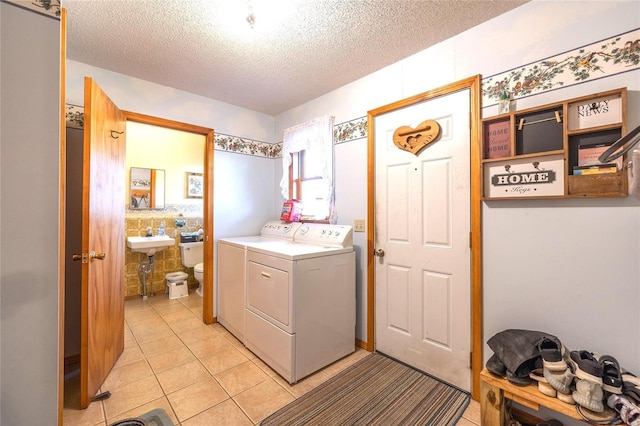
278,229
325,235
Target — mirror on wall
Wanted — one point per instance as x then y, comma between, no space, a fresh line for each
147,188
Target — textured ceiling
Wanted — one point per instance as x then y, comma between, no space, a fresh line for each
296,51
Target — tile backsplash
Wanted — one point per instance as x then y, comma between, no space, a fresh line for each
165,261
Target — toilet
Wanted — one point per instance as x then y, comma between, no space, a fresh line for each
198,272
192,257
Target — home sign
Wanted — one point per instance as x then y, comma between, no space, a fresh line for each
528,177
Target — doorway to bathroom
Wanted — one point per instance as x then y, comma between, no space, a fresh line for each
101,295
164,195
207,198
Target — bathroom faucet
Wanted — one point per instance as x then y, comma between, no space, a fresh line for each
149,233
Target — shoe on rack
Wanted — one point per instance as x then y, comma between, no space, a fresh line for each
560,380
611,377
543,386
551,351
589,395
629,412
631,386
518,380
566,398
606,417
496,366
586,367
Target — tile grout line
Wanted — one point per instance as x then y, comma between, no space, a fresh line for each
146,358
164,393
199,361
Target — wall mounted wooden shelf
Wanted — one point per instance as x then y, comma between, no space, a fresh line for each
551,151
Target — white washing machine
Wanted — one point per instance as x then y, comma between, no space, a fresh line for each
232,260
301,300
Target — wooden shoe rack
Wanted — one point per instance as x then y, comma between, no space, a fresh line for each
496,390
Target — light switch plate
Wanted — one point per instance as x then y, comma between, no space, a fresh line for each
358,225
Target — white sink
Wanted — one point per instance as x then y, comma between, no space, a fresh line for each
150,245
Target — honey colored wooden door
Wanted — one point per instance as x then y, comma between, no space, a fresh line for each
102,329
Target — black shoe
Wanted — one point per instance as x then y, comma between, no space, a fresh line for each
551,352
496,366
611,378
586,367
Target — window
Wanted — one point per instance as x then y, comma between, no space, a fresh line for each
307,156
306,184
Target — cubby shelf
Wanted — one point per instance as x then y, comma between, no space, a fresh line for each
551,151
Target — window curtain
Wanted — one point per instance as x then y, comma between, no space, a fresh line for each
317,134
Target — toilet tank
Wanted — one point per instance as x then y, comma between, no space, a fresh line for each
191,253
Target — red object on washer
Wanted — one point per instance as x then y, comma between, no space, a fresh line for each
291,211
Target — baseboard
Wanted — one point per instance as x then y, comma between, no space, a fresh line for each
361,344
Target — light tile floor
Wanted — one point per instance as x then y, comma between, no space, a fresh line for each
199,374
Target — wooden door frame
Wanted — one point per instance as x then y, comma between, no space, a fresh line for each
475,239
207,199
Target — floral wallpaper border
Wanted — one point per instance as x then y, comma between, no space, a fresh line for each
615,55
344,132
239,145
604,58
50,8
350,130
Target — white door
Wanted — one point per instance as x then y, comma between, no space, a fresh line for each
423,223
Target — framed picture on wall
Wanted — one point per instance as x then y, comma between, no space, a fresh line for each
193,185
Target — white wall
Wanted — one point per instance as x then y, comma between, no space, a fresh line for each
135,95
568,267
29,217
174,151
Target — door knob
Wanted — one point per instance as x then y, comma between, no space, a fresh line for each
378,252
86,257
98,256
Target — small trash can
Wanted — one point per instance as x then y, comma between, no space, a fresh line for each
177,284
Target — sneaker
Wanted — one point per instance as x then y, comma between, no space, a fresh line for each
566,398
543,386
551,351
589,395
560,380
629,412
586,367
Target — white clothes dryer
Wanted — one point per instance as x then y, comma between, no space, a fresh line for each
301,300
232,272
